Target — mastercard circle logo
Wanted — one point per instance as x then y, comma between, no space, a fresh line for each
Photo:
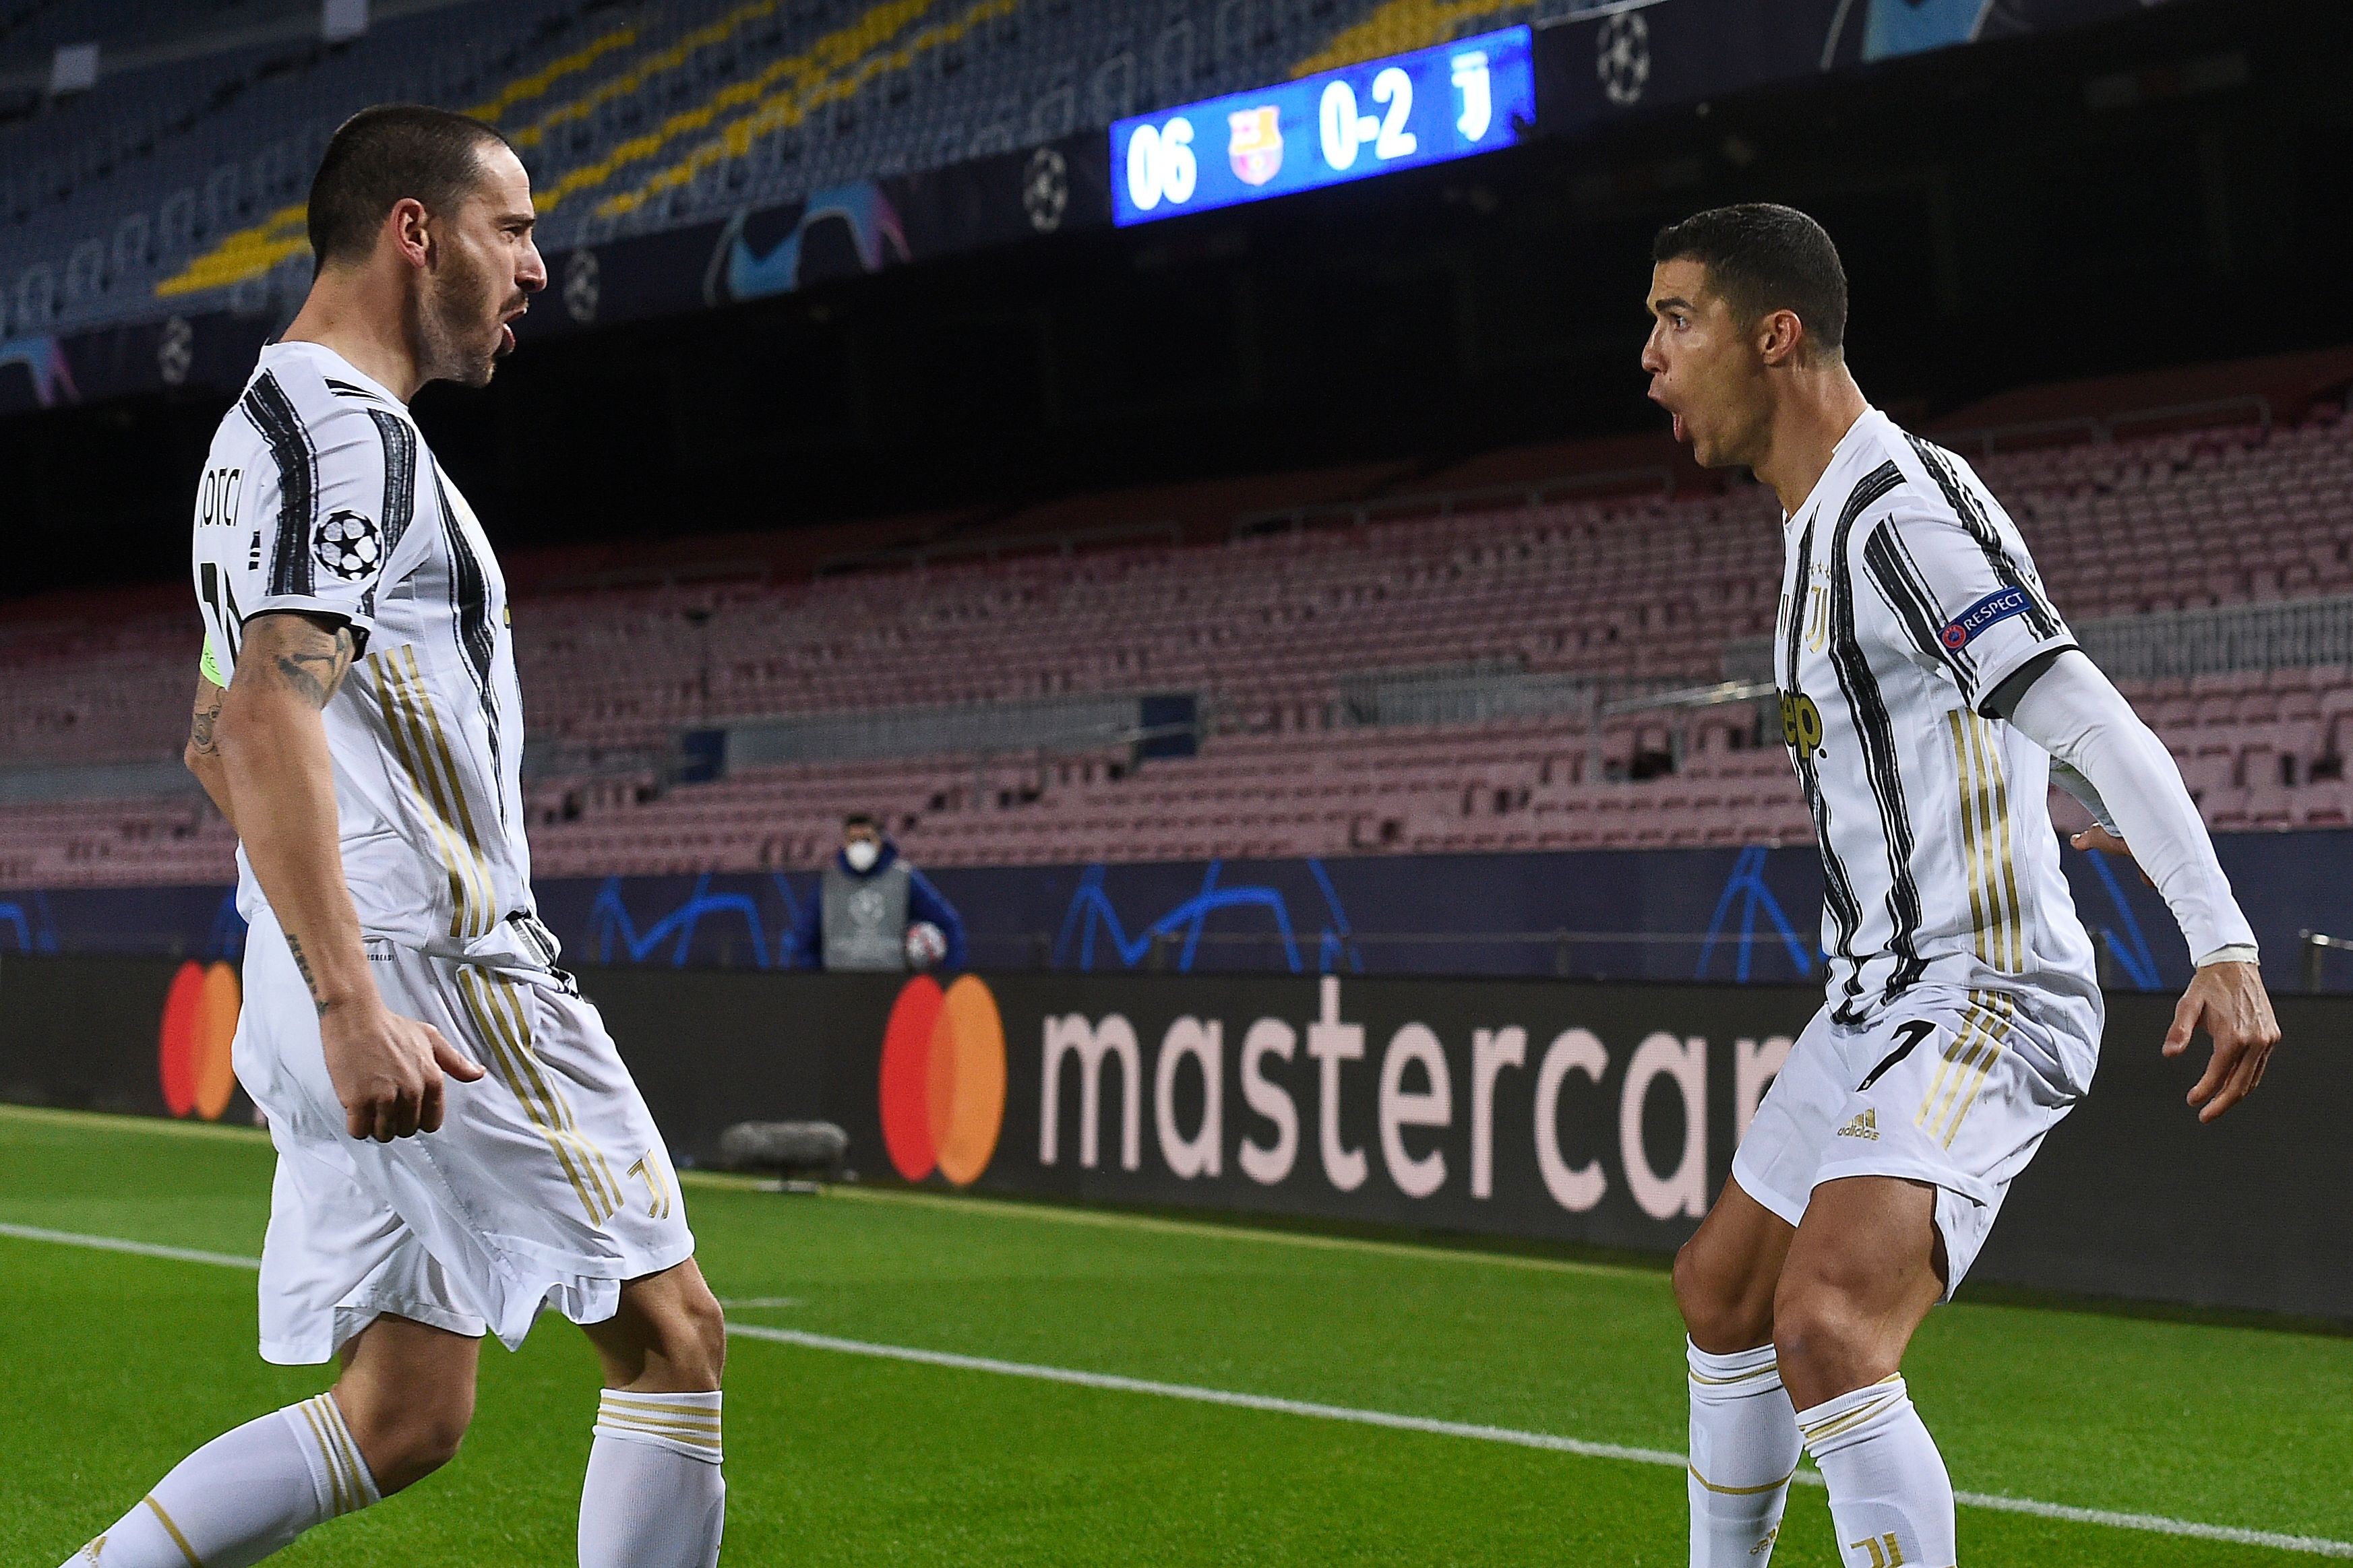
193,1050
943,1079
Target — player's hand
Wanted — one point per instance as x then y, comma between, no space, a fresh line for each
2229,1001
387,1070
2098,837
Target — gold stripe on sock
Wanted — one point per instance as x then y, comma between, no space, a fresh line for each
693,1412
689,1439
1740,1492
362,1482
1772,1369
171,1529
680,1413
683,1432
628,1418
342,1501
1856,1417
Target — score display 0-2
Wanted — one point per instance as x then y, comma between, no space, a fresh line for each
1469,96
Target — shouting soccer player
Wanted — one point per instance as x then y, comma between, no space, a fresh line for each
457,1140
1929,695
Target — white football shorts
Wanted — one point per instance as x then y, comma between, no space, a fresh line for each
547,1183
1955,1089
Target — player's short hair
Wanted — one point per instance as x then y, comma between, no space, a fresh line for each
1760,257
861,819
387,154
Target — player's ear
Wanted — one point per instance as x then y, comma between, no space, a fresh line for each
411,234
1779,336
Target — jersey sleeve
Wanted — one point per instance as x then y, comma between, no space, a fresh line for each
336,505
1963,599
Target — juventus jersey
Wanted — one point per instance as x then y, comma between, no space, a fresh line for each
1906,599
319,495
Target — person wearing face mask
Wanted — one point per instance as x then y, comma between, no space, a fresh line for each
866,902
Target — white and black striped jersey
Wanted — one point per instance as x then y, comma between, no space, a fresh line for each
1906,599
320,495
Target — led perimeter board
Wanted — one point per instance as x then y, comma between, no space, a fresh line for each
1471,96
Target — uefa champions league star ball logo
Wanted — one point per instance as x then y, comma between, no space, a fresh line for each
583,286
1046,190
1624,60
349,545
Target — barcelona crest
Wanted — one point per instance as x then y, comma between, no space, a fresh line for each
1257,145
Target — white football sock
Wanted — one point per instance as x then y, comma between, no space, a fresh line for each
1890,1496
1744,1450
655,1496
243,1495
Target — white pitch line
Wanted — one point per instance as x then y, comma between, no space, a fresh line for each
2150,1523
137,1248
2156,1524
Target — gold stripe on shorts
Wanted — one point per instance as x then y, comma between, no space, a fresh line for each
516,1069
505,994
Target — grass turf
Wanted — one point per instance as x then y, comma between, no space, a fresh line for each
120,1364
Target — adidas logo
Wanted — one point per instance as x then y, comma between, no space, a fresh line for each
1863,1126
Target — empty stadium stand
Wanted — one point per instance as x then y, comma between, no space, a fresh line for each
116,206
1274,627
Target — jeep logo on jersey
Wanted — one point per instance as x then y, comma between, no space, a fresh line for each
1801,723
1997,605
349,545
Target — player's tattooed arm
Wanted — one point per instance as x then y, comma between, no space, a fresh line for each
306,652
302,966
202,753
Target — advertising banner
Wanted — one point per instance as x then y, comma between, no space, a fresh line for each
1600,1114
1604,1114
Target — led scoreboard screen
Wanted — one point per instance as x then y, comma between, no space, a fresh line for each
1471,96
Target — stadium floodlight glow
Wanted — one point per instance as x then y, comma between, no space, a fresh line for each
1433,105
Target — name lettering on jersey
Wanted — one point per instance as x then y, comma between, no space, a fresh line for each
217,498
1995,607
1801,723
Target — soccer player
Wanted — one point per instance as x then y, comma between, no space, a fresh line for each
457,1141
1929,695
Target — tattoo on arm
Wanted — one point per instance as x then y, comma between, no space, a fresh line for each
310,982
200,727
314,667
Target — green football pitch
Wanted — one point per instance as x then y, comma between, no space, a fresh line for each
927,1379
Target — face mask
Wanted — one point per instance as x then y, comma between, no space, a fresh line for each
862,855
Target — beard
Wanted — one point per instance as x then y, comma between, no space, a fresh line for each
459,333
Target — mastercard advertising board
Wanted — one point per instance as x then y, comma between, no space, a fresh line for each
1578,1112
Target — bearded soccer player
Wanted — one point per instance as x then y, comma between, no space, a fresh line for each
457,1141
1930,694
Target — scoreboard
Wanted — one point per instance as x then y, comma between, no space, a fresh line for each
1433,105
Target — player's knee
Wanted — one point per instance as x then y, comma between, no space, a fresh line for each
694,1337
407,1439
1723,1315
1819,1333
711,1334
